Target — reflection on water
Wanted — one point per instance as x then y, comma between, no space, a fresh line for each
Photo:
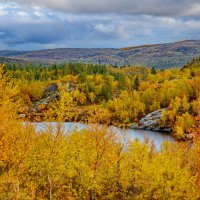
157,137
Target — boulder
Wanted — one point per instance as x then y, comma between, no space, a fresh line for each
50,94
50,90
152,121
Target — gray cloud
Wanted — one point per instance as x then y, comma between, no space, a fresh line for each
144,7
37,27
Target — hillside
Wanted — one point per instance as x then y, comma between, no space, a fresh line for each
159,55
193,64
7,60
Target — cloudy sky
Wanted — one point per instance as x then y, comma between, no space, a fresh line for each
40,24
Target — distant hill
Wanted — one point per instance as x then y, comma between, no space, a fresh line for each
194,64
8,60
159,55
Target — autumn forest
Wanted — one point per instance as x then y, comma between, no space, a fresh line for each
96,163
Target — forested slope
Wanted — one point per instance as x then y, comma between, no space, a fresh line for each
160,56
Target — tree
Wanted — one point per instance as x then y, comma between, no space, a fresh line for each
61,109
136,83
153,71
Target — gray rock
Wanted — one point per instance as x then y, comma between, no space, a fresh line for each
149,123
152,122
142,121
157,112
50,89
43,103
134,126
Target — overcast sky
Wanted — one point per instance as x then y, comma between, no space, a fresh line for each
40,24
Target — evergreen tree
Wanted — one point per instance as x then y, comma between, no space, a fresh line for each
136,83
153,70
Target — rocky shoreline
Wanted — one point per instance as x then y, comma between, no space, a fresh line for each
152,122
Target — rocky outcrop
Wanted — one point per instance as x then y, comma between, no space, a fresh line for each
43,103
50,94
49,90
152,122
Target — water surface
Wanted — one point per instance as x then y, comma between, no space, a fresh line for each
156,137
